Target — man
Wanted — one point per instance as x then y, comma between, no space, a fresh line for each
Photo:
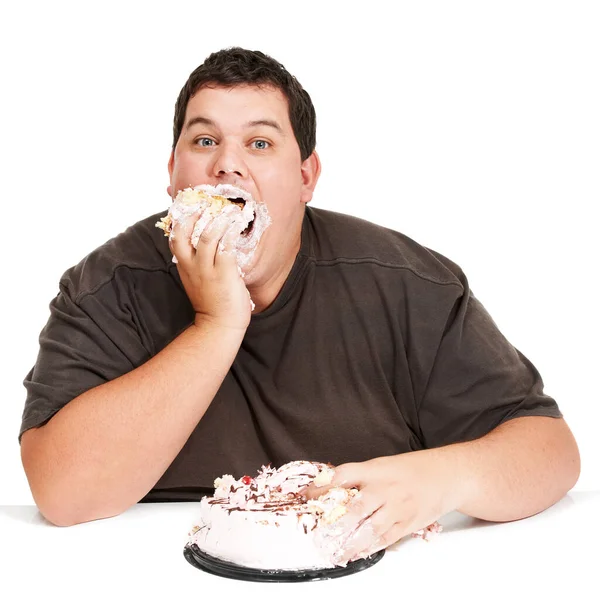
365,349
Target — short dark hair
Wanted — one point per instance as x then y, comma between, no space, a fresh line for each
237,66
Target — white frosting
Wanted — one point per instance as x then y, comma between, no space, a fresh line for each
266,524
201,200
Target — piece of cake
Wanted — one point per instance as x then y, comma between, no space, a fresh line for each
248,219
266,523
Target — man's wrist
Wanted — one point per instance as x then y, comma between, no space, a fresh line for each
453,466
208,323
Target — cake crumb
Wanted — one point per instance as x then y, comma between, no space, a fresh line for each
324,477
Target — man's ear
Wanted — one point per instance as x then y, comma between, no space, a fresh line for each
170,168
310,171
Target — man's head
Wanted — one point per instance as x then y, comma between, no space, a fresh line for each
242,119
236,66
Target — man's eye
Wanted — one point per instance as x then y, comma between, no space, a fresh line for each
204,142
261,144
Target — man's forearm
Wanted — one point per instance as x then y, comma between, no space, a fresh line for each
519,469
108,447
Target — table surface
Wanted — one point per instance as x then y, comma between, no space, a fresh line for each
141,552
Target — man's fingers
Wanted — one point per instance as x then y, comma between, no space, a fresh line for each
384,539
361,507
314,492
389,538
229,239
350,476
345,476
180,239
368,537
215,244
226,259
395,533
206,250
364,506
353,531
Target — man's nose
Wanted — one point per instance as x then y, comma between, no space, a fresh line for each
229,161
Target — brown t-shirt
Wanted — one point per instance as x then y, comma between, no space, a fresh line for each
374,346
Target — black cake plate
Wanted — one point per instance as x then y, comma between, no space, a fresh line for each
206,562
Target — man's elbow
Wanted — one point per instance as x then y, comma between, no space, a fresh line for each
55,496
60,510
57,515
563,463
557,452
572,459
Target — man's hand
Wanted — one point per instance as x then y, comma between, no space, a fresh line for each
210,276
398,495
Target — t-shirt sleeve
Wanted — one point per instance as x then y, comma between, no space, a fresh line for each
478,380
85,343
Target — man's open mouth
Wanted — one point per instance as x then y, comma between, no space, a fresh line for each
248,230
241,203
238,201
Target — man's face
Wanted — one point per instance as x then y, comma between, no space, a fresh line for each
243,136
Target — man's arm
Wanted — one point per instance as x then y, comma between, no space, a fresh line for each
105,449
519,469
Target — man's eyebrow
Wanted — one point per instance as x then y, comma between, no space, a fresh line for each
266,122
199,120
262,122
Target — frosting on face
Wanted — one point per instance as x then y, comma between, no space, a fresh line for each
247,218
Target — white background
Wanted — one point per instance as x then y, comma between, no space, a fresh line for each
477,124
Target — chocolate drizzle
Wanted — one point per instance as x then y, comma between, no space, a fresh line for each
268,494
221,501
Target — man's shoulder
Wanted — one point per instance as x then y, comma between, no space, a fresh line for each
339,237
140,247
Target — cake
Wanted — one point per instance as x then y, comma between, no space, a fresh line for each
248,218
267,523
